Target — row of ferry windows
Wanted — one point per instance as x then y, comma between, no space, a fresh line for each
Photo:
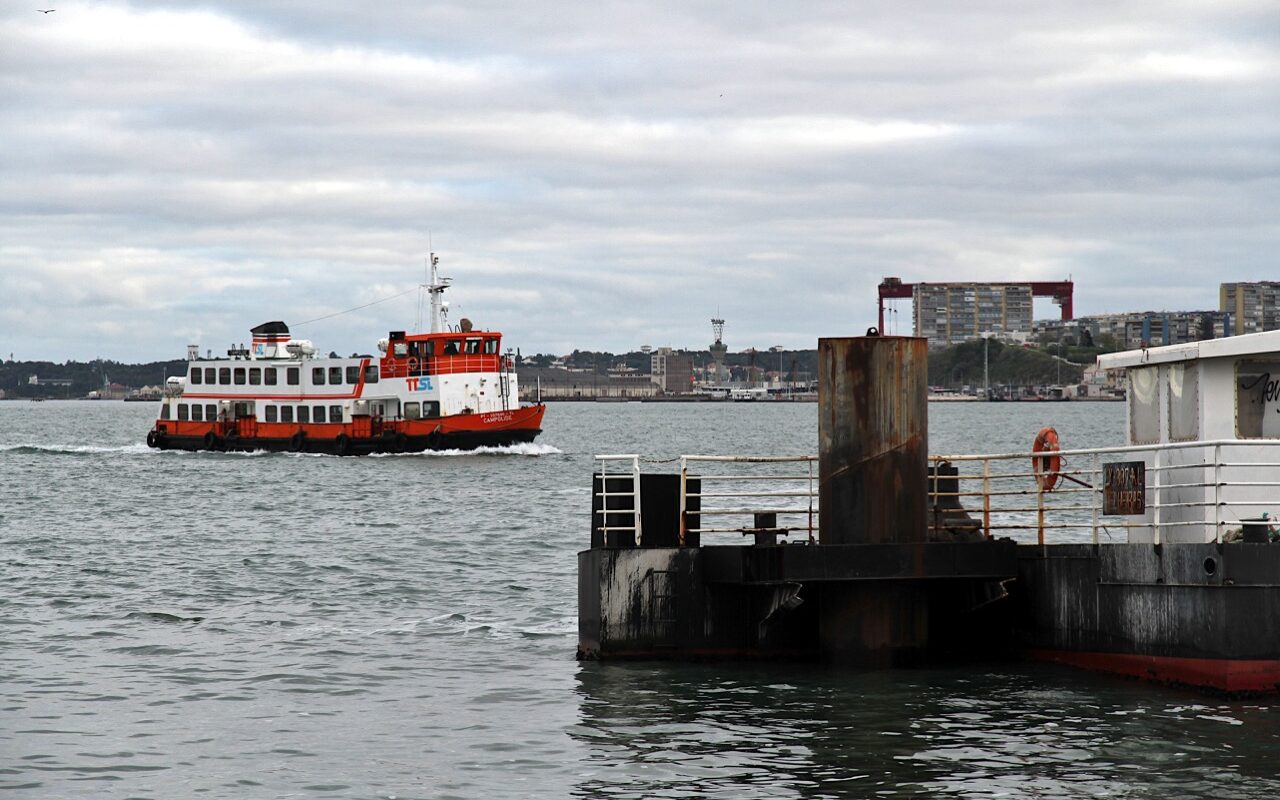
195,412
266,376
451,347
208,412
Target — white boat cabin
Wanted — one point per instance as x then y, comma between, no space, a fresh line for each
1210,411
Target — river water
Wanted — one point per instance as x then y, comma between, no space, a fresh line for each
263,626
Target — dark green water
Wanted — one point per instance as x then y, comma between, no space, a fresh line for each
262,626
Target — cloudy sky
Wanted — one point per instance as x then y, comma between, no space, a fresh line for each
604,175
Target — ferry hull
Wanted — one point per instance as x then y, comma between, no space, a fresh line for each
466,440
465,432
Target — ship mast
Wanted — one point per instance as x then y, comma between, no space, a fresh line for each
435,287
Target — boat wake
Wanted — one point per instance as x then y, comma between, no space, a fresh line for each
522,449
139,448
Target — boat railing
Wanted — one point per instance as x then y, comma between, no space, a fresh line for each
1210,485
619,494
778,493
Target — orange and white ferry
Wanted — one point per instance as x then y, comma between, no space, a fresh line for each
447,389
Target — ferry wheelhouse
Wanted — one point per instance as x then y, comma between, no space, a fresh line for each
446,389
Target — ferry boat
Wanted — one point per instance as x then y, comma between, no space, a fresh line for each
446,389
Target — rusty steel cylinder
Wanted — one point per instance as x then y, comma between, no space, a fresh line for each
873,459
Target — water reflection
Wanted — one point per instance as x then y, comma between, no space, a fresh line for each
663,730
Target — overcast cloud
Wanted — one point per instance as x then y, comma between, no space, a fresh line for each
605,175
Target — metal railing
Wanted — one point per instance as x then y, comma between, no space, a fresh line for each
791,498
1213,485
1188,485
631,481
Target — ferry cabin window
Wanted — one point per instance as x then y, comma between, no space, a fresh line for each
269,376
255,376
271,414
291,376
412,411
210,412
182,412
473,347
164,411
335,376
318,414
304,414
239,376
353,375
317,376
286,413
1184,403
491,346
400,349
431,408
1144,406
224,375
196,374
335,413
195,412
210,375
371,373
451,348
1258,399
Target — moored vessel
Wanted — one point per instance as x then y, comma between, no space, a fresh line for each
444,389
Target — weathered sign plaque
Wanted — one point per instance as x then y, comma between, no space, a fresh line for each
1124,490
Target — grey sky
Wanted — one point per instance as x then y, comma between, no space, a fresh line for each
605,175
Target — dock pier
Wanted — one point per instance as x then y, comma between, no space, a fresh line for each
879,586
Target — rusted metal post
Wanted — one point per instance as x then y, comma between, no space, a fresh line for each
986,498
873,488
1039,514
873,461
684,500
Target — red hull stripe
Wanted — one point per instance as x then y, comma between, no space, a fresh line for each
1223,674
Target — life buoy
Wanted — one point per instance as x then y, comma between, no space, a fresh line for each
342,445
295,441
210,441
1046,467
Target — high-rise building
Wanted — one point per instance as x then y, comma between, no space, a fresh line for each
950,313
671,371
1253,306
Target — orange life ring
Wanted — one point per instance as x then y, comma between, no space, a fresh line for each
1046,467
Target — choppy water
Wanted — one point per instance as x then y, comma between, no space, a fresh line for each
246,626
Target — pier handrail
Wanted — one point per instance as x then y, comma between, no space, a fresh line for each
748,499
1210,485
604,494
1163,480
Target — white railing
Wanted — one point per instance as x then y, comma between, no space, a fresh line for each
632,490
1188,485
791,497
1194,491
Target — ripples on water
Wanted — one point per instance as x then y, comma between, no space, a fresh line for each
228,625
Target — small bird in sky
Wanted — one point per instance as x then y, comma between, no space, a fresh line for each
46,10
